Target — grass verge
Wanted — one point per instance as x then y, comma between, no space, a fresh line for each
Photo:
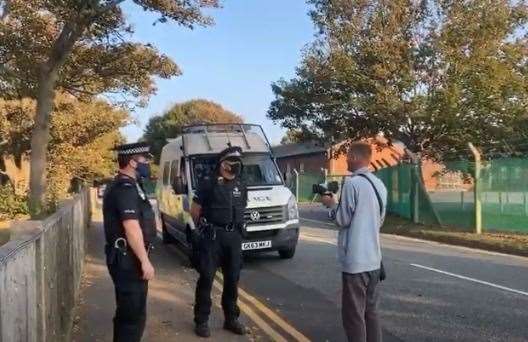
509,243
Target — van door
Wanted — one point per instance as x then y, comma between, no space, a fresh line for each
164,188
178,194
175,207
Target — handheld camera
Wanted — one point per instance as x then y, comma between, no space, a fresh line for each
329,188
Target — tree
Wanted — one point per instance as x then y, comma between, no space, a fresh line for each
79,47
294,136
432,74
82,134
169,125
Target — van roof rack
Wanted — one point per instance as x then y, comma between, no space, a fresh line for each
226,128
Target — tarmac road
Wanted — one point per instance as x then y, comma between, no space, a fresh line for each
434,292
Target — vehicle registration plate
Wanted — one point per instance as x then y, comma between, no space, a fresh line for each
246,246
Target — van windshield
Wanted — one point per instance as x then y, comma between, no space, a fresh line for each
259,169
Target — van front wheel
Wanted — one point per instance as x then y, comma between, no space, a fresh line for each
287,253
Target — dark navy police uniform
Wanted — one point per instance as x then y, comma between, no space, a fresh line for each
223,204
125,199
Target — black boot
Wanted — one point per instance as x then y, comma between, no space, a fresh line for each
235,327
202,330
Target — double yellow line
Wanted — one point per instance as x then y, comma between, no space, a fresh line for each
259,313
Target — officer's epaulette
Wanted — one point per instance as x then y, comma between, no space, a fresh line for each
125,182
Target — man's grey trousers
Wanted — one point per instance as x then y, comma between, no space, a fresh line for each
360,306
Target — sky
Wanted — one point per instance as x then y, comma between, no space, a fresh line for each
252,44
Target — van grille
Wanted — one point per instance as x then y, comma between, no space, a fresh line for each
262,234
266,215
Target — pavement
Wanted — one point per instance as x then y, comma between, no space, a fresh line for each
170,300
434,292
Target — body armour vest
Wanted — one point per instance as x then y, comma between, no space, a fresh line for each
145,214
226,203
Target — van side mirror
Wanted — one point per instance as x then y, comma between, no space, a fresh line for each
178,186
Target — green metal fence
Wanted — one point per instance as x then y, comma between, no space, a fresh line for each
502,190
504,194
301,185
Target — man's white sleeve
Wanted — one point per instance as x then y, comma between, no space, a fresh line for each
346,207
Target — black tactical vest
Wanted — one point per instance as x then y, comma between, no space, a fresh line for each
226,203
146,216
147,219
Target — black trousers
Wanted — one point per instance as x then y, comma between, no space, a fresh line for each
223,251
131,298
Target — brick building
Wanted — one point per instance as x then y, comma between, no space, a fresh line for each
314,158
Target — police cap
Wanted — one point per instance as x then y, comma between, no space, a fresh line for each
133,149
230,153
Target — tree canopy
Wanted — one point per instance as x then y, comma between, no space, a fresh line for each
80,47
293,136
101,60
169,124
82,134
434,74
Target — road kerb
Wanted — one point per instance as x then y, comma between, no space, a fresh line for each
431,242
308,237
319,222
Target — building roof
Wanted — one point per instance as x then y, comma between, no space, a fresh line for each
288,150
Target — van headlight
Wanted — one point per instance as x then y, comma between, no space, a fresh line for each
293,210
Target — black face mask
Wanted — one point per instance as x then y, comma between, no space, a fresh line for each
236,169
143,170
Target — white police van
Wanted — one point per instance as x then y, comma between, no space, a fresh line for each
272,217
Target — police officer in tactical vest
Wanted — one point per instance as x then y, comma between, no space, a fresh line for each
129,230
218,211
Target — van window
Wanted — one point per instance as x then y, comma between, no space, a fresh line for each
166,170
174,171
182,171
259,170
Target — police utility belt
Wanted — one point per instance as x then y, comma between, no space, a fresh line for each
121,245
206,228
121,249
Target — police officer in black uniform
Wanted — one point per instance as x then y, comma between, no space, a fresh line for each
129,224
218,211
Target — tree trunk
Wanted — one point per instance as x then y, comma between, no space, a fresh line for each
49,74
39,142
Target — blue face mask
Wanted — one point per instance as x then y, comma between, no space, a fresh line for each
143,170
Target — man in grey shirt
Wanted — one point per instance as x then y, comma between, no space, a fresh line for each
359,215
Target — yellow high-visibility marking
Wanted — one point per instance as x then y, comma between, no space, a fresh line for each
255,317
265,327
297,335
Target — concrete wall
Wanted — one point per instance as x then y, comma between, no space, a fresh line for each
40,273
